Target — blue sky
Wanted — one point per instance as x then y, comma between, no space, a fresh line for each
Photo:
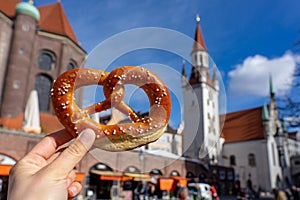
248,40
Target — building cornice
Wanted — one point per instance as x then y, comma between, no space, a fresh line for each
63,38
6,19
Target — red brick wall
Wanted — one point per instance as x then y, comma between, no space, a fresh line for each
16,79
5,37
17,144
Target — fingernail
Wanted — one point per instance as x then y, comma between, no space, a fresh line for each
73,190
87,137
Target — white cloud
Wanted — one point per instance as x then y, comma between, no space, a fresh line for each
252,76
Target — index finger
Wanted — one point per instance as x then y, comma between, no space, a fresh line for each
49,144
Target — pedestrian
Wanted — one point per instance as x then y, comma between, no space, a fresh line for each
279,194
183,193
295,192
214,192
48,173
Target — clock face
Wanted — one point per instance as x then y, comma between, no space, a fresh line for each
25,27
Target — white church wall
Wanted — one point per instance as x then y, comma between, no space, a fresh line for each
275,169
192,121
260,173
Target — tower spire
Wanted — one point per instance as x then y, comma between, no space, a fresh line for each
265,113
198,40
199,57
272,90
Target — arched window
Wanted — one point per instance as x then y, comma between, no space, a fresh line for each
190,175
100,167
46,60
196,59
174,173
43,84
155,172
232,160
132,169
202,177
201,60
72,65
251,160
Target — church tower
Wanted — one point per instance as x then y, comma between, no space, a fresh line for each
16,80
201,113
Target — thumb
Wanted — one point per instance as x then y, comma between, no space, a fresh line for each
69,158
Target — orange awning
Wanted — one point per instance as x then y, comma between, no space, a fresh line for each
79,177
115,178
110,176
166,184
182,181
4,170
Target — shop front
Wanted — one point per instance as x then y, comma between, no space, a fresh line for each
6,163
104,183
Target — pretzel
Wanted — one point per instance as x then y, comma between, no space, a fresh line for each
117,137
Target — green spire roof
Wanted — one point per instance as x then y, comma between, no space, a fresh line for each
272,90
284,127
28,9
265,113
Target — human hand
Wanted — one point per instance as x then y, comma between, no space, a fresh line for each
45,173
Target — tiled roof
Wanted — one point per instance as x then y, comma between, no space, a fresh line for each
199,41
8,7
49,123
54,19
12,123
243,125
293,135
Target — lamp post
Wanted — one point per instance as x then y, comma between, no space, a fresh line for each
141,159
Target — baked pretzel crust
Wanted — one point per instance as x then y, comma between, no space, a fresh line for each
117,137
